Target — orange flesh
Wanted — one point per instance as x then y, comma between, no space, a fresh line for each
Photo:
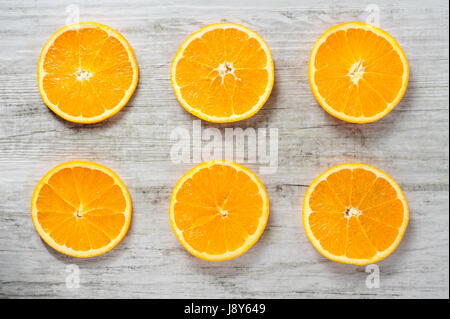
223,73
358,73
355,214
81,208
87,72
218,209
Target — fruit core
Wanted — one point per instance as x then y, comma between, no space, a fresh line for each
350,212
83,75
356,72
223,212
225,68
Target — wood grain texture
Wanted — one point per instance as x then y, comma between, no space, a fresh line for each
411,144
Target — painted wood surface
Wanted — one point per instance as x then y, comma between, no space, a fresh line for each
411,144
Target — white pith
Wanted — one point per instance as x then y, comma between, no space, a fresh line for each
352,212
356,72
83,75
223,212
224,69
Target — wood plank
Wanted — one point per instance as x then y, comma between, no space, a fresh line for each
411,144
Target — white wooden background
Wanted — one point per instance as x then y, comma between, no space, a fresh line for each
411,144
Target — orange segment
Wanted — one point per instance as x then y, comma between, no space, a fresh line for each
355,214
218,210
358,246
223,73
87,72
81,209
358,73
328,226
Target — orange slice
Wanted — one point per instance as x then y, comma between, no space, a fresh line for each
223,73
218,210
355,214
87,72
81,209
358,73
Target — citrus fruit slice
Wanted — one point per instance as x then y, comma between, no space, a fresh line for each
81,209
358,73
223,73
218,210
355,214
87,72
